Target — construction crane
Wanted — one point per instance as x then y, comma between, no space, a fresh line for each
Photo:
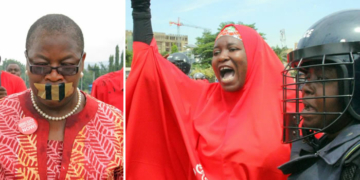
178,24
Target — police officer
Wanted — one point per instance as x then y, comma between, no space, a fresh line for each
181,61
329,56
199,76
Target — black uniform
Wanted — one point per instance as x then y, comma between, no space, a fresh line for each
338,159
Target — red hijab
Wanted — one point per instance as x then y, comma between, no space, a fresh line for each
183,129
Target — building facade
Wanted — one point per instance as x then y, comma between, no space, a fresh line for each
163,41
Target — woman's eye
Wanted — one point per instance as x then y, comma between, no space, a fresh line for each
216,53
232,49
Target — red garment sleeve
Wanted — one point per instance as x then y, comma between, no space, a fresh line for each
20,85
99,91
13,84
94,91
109,89
158,95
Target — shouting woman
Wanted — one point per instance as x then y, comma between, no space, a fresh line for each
178,128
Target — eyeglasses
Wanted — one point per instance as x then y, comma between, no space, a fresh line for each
63,70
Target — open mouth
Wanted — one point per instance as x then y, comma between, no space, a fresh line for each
227,74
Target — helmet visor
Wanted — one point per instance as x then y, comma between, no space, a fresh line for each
315,107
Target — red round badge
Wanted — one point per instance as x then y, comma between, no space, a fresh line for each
27,125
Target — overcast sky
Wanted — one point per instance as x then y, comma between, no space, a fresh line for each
102,23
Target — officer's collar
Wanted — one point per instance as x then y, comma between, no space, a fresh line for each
303,155
337,147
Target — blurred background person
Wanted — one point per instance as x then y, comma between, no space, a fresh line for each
14,69
10,84
109,88
181,61
200,76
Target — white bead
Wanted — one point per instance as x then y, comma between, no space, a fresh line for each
56,118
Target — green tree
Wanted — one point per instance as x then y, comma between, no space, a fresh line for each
122,59
86,80
117,60
204,49
102,69
174,48
90,74
111,63
128,57
95,69
281,52
164,53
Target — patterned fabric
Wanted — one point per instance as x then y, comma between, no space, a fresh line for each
54,154
92,146
229,31
349,172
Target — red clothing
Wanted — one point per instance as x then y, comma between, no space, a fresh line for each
92,146
54,151
178,128
12,84
109,88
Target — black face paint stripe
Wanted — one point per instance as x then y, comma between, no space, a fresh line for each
61,91
48,91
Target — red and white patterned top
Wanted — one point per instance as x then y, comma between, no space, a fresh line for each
92,146
54,155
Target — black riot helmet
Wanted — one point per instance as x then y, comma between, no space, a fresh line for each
332,42
181,61
199,75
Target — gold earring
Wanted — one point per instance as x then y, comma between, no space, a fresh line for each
81,74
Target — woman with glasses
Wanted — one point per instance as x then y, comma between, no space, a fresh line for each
54,130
